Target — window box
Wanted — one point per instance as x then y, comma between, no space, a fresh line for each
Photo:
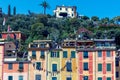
20,70
42,56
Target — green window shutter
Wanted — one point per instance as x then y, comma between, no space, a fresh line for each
99,67
108,67
58,54
64,54
72,54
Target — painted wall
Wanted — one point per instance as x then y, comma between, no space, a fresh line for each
32,69
14,72
104,60
64,73
1,60
81,60
54,60
11,34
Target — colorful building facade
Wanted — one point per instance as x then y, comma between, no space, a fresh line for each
54,63
105,59
68,60
37,54
1,59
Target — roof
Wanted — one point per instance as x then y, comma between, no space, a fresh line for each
104,39
42,40
67,6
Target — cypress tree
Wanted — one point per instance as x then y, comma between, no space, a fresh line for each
9,10
14,10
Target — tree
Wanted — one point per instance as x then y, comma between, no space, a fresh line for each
95,18
45,5
14,11
9,10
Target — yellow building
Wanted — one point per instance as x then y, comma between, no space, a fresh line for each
68,60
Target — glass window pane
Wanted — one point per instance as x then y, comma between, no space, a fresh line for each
117,74
34,53
108,54
20,65
37,77
69,66
85,66
10,77
99,78
85,54
54,67
69,78
10,66
38,65
42,53
54,78
85,78
99,53
108,78
20,77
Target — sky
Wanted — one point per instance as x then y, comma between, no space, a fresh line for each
100,8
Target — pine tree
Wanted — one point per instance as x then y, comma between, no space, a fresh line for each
9,10
14,10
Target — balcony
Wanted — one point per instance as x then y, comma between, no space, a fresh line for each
20,70
10,58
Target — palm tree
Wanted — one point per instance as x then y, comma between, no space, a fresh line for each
45,5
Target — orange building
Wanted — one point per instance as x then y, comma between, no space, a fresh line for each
38,52
15,70
11,34
1,59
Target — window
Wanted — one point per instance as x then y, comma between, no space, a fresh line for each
85,78
37,77
72,9
107,44
42,53
42,45
108,78
85,66
72,14
10,66
100,67
55,54
72,54
99,53
108,67
60,8
69,66
20,65
54,78
99,78
117,74
66,9
64,54
33,53
10,77
108,53
69,78
38,65
85,54
20,77
117,63
54,67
